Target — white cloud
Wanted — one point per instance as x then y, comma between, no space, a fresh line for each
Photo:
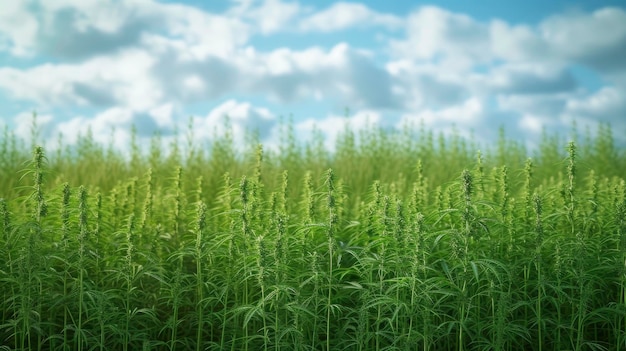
607,101
112,127
18,28
516,43
242,117
143,62
547,105
557,112
72,30
468,114
143,78
333,125
342,75
77,30
343,15
102,15
426,85
115,120
526,70
460,42
606,105
163,115
530,79
598,39
270,16
531,123
44,127
457,40
202,33
124,79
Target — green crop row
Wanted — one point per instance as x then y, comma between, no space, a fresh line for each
394,241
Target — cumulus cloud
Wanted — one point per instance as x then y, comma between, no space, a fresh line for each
607,105
44,125
163,115
332,126
192,80
434,33
532,123
526,70
598,40
269,16
531,79
516,43
242,117
467,115
202,34
237,119
73,30
113,126
18,28
342,15
342,74
548,105
144,62
76,30
140,79
114,122
121,79
426,85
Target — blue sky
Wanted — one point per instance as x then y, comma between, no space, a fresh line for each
104,65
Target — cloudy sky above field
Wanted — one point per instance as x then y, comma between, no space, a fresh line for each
105,65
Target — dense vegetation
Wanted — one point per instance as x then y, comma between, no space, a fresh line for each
398,240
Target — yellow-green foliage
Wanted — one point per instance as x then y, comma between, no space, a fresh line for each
395,241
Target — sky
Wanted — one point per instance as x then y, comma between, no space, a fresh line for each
106,65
